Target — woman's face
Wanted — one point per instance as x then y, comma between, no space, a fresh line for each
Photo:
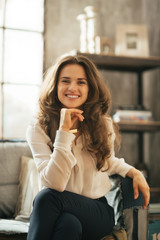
72,88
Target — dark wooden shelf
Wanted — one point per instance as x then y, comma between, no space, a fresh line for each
155,190
128,126
122,63
155,198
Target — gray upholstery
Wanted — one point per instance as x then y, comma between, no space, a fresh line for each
10,156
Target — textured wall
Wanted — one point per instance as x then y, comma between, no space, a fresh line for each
62,35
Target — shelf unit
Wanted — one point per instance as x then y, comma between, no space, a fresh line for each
136,65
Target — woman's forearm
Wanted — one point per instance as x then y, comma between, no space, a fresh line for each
133,172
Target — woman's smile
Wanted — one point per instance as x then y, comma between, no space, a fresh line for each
72,96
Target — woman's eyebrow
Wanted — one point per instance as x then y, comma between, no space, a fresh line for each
65,77
82,78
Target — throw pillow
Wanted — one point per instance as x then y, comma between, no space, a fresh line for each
29,186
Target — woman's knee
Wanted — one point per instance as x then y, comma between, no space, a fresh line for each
69,225
41,196
45,198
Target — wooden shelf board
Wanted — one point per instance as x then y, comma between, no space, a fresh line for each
122,63
130,126
155,189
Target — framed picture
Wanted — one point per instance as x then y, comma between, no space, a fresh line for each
103,45
132,40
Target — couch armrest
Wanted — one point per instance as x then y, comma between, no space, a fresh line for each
129,213
134,216
128,194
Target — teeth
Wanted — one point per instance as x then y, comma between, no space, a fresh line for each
72,96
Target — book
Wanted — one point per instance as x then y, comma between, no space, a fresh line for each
132,115
154,208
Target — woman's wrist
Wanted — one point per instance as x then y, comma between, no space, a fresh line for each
64,129
69,130
133,172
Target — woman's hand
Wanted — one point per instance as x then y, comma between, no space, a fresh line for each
140,184
68,118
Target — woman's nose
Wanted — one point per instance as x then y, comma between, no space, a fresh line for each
73,86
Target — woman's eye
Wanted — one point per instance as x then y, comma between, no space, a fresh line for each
81,82
65,81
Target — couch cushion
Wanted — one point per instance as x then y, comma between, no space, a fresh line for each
10,156
8,200
13,226
114,198
29,186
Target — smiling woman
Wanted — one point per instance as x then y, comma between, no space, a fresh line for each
72,141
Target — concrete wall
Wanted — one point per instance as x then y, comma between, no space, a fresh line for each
62,33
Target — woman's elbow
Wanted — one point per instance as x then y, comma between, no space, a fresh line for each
58,186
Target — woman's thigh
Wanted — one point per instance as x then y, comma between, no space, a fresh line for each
96,216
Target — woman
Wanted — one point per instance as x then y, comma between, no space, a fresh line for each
72,143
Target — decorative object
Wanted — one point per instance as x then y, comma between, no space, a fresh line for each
132,40
88,29
82,18
91,27
104,45
29,186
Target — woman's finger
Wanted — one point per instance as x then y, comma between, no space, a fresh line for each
77,115
136,191
68,118
146,194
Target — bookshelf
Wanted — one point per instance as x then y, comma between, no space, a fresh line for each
137,65
128,126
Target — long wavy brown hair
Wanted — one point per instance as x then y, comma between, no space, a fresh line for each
94,128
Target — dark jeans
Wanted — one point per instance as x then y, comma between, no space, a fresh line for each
70,216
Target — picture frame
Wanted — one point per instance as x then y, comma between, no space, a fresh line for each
132,40
103,45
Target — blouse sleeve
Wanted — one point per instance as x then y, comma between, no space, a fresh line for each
54,166
116,165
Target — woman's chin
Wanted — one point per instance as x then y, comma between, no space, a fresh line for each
71,106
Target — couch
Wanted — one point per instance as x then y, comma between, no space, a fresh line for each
19,183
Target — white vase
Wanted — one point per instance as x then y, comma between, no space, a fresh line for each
82,18
91,13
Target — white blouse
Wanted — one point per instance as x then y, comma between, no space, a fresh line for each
69,166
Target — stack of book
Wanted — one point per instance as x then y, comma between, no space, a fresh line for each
132,114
